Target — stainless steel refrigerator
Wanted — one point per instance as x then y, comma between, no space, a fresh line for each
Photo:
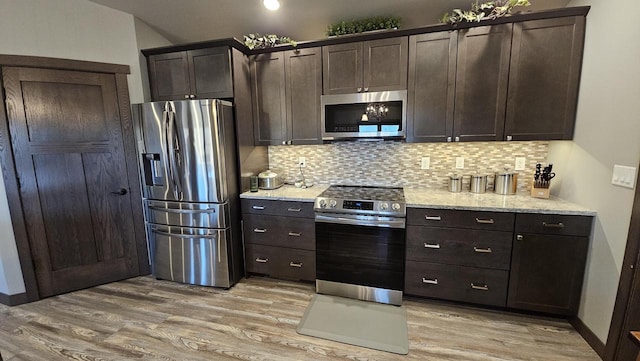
187,154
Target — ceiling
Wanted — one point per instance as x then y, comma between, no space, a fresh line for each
184,21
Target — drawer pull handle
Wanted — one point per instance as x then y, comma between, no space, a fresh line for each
553,225
294,234
294,209
485,221
480,288
294,264
258,207
430,281
259,230
482,250
262,260
434,246
433,218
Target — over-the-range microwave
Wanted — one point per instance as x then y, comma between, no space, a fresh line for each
367,115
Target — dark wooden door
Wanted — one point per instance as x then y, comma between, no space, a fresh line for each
169,76
432,84
385,64
210,73
544,78
269,100
481,82
303,74
547,273
342,68
67,139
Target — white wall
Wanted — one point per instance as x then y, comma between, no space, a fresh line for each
607,133
146,38
71,29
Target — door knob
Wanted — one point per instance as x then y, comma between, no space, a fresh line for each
121,192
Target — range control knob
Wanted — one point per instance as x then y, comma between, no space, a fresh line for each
395,207
384,206
333,203
322,203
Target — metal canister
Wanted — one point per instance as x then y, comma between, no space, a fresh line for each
506,182
455,183
478,183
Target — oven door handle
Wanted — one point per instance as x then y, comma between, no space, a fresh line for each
387,223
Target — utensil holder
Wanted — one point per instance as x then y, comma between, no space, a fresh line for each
539,192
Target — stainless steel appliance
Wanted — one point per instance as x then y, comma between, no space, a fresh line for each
188,164
360,243
364,115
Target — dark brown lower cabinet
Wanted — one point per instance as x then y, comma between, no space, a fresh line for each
279,239
547,273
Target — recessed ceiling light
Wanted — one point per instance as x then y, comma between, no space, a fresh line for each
271,4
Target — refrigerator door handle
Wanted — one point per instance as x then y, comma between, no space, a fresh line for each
175,151
167,146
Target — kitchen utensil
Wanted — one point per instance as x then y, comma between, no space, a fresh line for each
269,180
478,183
455,183
506,182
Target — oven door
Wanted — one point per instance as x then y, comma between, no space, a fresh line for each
360,250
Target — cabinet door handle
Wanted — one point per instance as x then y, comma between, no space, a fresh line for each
519,237
457,139
434,246
260,208
553,225
482,250
186,96
480,288
294,209
262,260
259,230
366,89
359,90
433,218
485,221
294,264
448,139
294,234
430,281
509,137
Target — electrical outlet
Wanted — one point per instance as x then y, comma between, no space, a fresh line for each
302,161
521,163
459,162
425,163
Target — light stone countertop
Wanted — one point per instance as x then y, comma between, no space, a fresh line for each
442,199
287,193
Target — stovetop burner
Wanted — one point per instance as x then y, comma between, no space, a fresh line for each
385,201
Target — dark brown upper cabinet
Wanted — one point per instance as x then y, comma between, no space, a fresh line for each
286,89
482,75
202,73
366,66
432,83
543,81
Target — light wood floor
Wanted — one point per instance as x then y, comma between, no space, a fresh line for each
147,319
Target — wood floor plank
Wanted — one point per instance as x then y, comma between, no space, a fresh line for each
148,319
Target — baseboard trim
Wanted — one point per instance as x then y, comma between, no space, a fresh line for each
13,300
588,335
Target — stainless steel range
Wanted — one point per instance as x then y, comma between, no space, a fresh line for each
360,243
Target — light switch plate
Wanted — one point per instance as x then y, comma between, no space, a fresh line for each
459,162
624,176
521,163
302,161
425,163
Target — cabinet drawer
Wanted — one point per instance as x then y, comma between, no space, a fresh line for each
281,262
457,283
465,247
554,224
490,221
278,208
280,231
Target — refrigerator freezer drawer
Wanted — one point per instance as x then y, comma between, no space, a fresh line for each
199,215
189,255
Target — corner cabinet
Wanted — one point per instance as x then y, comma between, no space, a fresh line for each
366,66
202,73
286,87
548,262
544,78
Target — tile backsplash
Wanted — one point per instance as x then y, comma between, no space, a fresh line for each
393,163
